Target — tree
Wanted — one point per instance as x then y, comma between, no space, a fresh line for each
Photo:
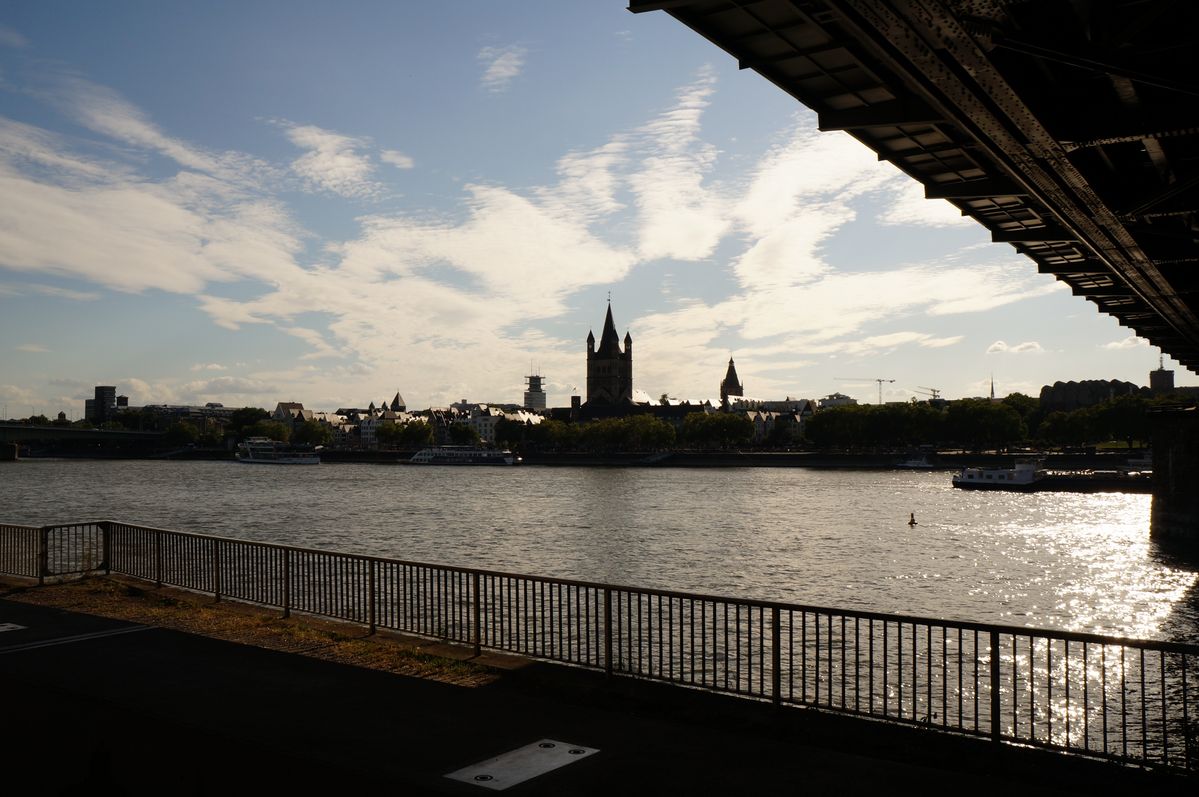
509,433
1028,407
242,419
181,433
980,424
416,434
463,435
723,429
275,430
312,433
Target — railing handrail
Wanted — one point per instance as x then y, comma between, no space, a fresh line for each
1167,646
1009,683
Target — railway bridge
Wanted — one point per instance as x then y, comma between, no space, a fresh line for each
1068,128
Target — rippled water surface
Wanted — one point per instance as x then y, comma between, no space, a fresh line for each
835,538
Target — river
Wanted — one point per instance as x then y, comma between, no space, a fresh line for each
837,538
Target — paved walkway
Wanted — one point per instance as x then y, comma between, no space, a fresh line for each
97,706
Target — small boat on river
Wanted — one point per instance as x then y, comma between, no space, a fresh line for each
265,451
463,455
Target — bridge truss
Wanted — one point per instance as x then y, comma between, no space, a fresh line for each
1068,128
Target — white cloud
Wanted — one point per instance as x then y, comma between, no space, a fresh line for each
501,65
1028,347
396,159
1130,342
48,290
225,386
466,289
909,208
333,162
104,111
33,348
679,216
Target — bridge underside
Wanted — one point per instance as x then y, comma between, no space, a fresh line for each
1068,128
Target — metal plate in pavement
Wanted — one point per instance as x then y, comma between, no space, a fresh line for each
521,764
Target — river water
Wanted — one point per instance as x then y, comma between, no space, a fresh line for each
835,538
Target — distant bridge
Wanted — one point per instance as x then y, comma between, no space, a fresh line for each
1068,128
28,433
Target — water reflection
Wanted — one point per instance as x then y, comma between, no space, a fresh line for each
830,538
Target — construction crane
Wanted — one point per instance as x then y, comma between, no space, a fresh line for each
867,379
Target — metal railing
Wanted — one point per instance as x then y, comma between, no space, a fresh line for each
1132,701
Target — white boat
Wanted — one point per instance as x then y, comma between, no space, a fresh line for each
1023,476
265,451
463,455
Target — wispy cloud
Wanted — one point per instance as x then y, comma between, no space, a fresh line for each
470,289
679,215
32,348
908,207
1130,342
1028,347
333,162
48,290
105,111
396,159
501,65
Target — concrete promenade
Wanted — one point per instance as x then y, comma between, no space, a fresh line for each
100,706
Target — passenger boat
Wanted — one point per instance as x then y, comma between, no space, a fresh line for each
265,451
1024,475
463,455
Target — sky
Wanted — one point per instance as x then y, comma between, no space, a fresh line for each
249,203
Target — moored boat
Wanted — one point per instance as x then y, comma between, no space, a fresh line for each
463,455
1024,475
265,451
1031,477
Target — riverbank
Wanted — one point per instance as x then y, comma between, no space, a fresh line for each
944,460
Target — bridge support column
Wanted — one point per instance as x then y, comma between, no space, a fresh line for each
1175,515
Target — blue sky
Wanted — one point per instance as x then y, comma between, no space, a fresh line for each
255,202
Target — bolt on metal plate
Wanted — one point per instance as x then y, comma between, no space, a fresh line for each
521,764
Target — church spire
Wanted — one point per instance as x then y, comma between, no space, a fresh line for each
609,344
730,385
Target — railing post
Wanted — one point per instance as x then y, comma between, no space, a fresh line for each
607,630
995,702
43,555
216,570
287,582
158,558
106,546
370,597
776,657
477,632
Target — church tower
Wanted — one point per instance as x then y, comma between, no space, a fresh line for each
730,385
609,370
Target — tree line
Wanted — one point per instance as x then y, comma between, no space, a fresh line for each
975,424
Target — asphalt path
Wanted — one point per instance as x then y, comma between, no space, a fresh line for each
97,706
